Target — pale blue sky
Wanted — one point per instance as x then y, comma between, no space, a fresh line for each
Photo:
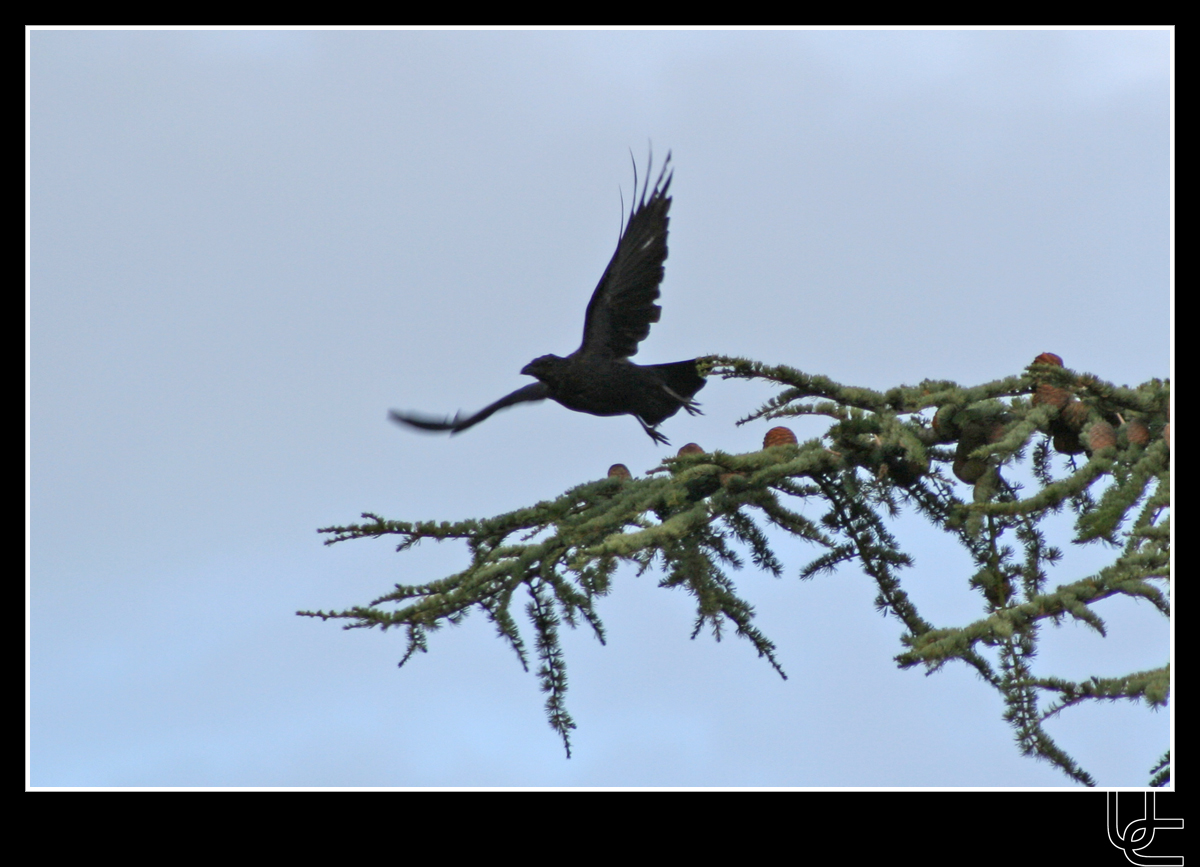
247,246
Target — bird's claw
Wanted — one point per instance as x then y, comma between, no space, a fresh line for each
652,433
692,407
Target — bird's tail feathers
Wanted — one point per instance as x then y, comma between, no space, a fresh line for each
681,378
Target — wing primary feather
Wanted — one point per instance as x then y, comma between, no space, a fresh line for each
649,168
532,392
633,203
621,221
622,308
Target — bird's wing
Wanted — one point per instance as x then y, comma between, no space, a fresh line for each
535,391
622,307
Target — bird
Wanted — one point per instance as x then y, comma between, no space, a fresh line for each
598,377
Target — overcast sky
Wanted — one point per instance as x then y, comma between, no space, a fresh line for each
247,246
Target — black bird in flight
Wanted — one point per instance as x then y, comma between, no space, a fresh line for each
598,377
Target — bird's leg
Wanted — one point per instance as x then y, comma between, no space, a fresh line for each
652,433
692,407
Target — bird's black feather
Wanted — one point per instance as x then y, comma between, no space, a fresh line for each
533,392
622,308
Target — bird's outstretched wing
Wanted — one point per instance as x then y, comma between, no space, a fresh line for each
622,307
535,391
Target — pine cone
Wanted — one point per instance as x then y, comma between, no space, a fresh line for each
779,436
970,470
619,471
1066,442
943,424
901,469
1049,358
1101,435
1136,432
1054,395
975,433
689,449
1074,414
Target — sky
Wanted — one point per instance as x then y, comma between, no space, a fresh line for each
246,246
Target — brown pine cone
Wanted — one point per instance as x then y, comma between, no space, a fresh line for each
779,436
619,471
1054,395
1136,432
1049,358
1074,414
1101,435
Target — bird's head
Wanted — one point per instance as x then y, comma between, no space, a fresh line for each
545,368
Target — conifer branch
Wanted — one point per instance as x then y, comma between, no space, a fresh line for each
1095,448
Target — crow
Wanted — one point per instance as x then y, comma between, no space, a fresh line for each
598,378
